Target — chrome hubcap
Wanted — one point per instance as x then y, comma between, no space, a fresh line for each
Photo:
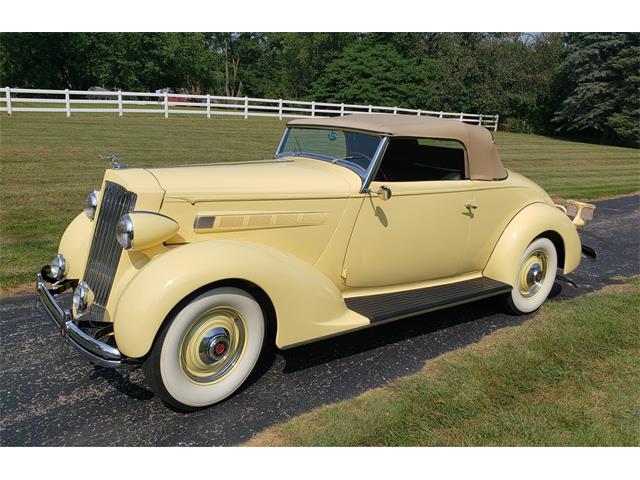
533,273
213,345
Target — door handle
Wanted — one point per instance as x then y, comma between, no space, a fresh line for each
470,206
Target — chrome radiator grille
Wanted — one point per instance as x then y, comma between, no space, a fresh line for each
105,251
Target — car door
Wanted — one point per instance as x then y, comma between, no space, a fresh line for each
419,234
496,204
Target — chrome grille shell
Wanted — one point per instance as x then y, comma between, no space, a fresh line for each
105,251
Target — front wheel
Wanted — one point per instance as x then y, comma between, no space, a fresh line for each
207,350
534,278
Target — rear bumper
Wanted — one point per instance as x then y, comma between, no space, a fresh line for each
96,351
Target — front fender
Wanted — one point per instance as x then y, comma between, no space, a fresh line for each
528,224
75,244
307,304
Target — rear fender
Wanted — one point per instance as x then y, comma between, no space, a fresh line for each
307,304
531,222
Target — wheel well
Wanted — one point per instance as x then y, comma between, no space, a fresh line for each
557,241
263,300
258,293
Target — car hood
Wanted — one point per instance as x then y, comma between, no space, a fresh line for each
287,177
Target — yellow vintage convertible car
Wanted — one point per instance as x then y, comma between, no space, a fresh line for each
356,221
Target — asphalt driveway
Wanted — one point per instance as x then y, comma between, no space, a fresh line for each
50,396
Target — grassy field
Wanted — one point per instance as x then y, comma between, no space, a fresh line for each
49,162
569,377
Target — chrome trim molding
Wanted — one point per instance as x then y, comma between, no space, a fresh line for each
105,252
373,167
283,140
96,351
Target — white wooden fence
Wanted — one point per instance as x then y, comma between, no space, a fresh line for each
81,101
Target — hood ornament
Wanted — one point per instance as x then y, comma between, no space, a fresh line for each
114,158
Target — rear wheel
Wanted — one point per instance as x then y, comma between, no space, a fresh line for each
534,278
208,349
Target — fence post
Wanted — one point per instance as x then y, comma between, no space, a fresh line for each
246,107
342,109
166,104
480,120
495,125
313,108
419,112
8,97
67,101
370,108
208,105
280,109
441,114
461,116
119,103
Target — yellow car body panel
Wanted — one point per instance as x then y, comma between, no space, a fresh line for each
304,232
75,244
529,223
151,229
307,304
287,178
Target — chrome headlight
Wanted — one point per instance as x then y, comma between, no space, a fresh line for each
81,297
58,267
124,232
90,204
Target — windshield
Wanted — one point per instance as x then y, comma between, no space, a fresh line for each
351,149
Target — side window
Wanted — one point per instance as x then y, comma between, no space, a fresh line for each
422,159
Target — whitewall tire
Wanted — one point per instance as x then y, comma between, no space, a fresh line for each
208,349
534,278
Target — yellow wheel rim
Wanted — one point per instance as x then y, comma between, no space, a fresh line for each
213,345
532,273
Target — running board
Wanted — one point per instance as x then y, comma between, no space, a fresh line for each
392,306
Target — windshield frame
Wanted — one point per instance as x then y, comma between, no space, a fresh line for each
365,174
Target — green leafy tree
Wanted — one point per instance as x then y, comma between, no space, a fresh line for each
42,60
130,61
300,58
603,74
587,83
371,73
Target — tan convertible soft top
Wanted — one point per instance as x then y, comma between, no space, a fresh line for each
484,159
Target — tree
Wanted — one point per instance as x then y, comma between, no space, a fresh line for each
371,73
130,61
603,73
42,60
298,59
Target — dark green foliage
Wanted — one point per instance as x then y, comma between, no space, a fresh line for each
603,74
129,61
585,84
371,73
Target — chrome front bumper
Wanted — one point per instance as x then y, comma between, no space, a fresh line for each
96,351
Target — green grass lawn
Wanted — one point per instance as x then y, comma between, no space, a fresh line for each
49,162
568,377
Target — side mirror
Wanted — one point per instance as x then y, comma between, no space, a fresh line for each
384,193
